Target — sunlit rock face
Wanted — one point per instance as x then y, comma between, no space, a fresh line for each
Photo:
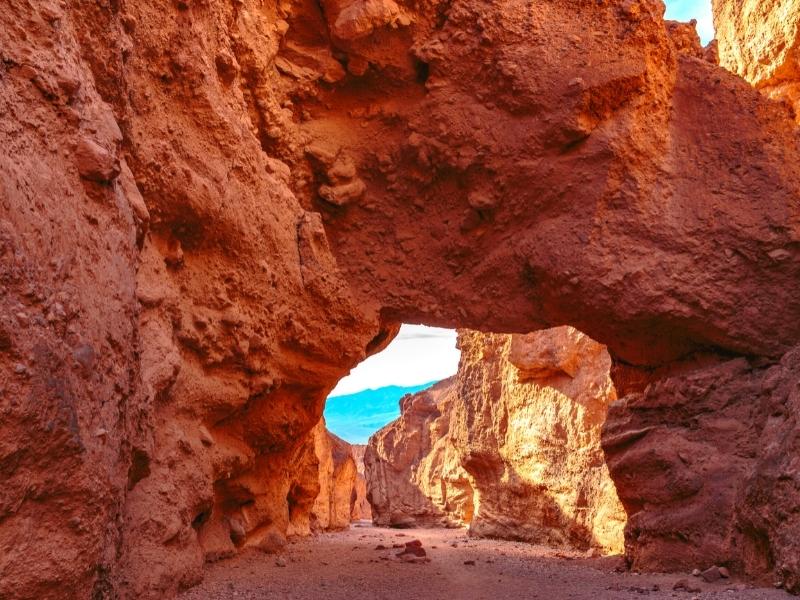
333,507
509,446
758,39
413,472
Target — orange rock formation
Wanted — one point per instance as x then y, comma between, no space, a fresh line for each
758,39
510,445
414,475
706,466
362,511
210,212
337,474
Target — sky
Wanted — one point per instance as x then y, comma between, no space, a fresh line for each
417,355
686,10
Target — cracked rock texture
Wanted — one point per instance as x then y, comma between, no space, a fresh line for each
509,446
211,211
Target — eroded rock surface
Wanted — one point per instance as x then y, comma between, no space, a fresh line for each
617,149
414,476
706,465
361,507
509,446
210,211
759,39
334,504
172,317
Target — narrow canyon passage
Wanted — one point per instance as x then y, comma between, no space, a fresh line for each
347,565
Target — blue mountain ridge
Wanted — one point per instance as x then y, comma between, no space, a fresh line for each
355,417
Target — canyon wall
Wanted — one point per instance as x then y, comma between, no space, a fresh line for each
210,212
413,472
758,40
337,472
708,469
362,511
172,317
510,446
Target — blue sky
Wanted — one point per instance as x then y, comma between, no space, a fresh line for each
686,10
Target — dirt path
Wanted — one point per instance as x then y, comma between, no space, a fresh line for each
347,566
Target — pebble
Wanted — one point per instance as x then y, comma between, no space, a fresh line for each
685,585
711,574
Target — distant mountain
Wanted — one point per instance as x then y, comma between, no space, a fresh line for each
355,417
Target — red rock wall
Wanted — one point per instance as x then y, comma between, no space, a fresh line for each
334,504
362,511
706,467
414,474
72,411
209,212
617,150
169,336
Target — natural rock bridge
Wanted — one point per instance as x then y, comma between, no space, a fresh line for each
210,211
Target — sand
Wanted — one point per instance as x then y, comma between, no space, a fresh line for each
346,565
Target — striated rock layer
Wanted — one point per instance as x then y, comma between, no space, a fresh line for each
211,211
509,446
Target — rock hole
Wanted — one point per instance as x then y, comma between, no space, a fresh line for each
139,469
201,518
423,71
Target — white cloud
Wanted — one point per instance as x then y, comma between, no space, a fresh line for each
686,10
418,354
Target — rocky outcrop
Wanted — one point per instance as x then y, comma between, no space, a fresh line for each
687,41
209,212
362,511
618,149
758,40
414,476
509,446
337,474
706,467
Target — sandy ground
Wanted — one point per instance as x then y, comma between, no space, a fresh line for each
346,565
